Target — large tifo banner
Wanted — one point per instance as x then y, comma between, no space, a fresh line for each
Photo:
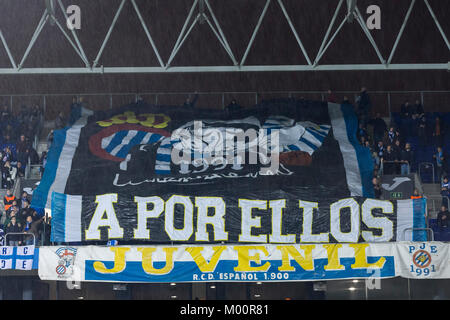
270,262
276,218
297,149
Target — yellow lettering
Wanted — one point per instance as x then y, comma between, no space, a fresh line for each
147,264
149,119
361,257
119,261
145,119
333,257
244,258
196,253
164,123
305,262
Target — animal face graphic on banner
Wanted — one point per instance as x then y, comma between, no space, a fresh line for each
206,146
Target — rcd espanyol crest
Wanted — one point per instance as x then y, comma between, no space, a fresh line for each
422,264
66,261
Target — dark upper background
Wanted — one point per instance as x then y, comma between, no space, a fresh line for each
274,44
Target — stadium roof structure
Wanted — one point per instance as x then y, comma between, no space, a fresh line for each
201,12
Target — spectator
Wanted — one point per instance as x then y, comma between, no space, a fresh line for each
8,175
376,188
362,141
11,212
50,138
439,159
34,157
379,127
8,199
376,161
23,156
442,218
445,191
26,211
422,130
416,194
43,162
60,121
36,227
405,109
345,100
399,137
437,132
389,161
331,97
27,229
397,149
20,170
446,167
362,132
391,136
7,155
233,108
380,149
2,237
406,159
14,206
418,109
14,227
190,103
22,144
73,110
23,199
364,106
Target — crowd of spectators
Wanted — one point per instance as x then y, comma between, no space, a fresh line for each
391,150
17,132
19,221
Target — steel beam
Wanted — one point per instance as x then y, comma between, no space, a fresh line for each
193,18
202,69
255,32
400,33
149,37
108,34
8,52
438,25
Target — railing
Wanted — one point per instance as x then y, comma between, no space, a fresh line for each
426,165
384,102
396,165
17,189
420,229
441,200
24,234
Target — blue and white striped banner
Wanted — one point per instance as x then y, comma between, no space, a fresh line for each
18,258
